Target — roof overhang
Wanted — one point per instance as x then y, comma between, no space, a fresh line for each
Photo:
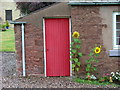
18,22
94,3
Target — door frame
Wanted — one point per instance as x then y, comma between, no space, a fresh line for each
70,30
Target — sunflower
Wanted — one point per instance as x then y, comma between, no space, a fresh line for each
97,50
76,34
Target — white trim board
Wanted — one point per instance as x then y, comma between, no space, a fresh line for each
114,30
45,46
70,32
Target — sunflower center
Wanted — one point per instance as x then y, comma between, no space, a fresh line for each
76,35
97,50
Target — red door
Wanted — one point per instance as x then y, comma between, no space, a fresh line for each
57,47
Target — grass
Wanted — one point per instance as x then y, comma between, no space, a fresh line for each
79,80
7,41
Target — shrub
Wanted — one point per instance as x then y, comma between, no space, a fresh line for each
3,26
7,24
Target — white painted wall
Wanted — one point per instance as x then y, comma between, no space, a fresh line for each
8,5
94,0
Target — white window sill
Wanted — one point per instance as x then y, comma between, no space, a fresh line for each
115,53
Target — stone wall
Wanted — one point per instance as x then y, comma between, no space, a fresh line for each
34,45
87,21
33,50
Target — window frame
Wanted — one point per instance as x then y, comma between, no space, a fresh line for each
114,31
10,16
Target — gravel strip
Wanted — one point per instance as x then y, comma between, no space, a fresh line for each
8,64
50,82
10,80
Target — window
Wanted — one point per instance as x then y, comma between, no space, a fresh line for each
8,14
116,29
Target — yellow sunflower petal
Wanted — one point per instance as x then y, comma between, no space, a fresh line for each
76,34
97,50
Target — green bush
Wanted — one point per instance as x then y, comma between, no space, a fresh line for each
0,25
3,26
7,24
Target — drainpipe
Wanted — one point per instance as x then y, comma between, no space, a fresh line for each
23,50
23,46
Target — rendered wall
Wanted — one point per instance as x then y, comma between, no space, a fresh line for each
7,5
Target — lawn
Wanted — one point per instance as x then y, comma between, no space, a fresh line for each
7,41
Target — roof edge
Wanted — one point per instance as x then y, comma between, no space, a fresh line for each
37,10
94,3
18,22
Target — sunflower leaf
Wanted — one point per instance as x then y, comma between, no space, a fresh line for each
77,69
97,61
73,50
88,65
76,59
80,54
72,43
71,54
87,61
92,59
88,74
71,47
73,65
78,63
78,46
76,40
87,69
97,55
91,54
79,41
94,68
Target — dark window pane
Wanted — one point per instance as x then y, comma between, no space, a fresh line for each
8,14
118,33
117,25
118,41
118,18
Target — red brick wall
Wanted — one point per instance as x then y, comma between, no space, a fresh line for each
88,22
33,50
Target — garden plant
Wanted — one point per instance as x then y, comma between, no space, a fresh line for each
91,68
75,52
3,27
7,25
